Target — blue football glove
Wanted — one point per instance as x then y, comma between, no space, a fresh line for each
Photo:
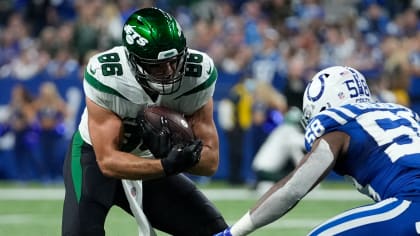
225,232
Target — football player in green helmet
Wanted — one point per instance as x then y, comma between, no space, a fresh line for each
157,50
113,160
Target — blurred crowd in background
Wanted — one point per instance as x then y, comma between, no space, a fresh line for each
265,52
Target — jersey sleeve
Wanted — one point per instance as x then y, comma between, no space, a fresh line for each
113,89
200,94
91,83
96,91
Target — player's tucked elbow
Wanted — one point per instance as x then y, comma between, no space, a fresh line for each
105,166
206,167
207,172
211,166
212,169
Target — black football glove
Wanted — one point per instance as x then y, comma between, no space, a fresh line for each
131,136
182,157
159,142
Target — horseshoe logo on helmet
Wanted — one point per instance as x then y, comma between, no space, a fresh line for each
321,91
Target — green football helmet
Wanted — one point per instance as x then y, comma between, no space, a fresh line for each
156,49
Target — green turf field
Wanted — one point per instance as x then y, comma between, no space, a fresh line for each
24,212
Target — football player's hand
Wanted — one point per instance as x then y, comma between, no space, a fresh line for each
159,142
131,135
182,157
225,232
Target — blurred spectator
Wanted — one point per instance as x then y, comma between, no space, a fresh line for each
204,35
235,118
63,65
28,64
267,112
6,9
391,7
41,14
268,63
365,57
396,68
112,22
51,111
230,52
87,27
65,9
13,38
410,24
296,82
414,66
25,127
9,49
65,36
338,46
48,40
252,15
305,45
374,19
277,11
310,12
20,31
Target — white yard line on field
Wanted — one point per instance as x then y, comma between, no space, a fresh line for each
27,219
213,194
33,219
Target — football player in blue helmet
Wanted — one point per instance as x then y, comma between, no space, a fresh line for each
116,159
377,145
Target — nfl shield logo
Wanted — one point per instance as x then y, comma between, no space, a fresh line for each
133,191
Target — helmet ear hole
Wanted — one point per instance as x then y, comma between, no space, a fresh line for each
328,105
325,107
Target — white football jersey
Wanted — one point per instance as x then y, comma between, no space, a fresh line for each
110,82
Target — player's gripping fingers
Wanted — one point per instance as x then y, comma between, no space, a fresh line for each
157,141
173,163
182,157
192,151
146,129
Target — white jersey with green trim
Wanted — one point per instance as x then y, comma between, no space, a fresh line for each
110,82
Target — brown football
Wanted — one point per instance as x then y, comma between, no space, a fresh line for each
179,127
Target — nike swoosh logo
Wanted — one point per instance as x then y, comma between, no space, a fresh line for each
92,71
208,71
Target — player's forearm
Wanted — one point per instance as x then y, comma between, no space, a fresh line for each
288,192
127,166
208,164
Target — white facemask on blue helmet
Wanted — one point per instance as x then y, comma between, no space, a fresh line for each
332,87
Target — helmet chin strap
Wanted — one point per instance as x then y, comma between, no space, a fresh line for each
153,94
